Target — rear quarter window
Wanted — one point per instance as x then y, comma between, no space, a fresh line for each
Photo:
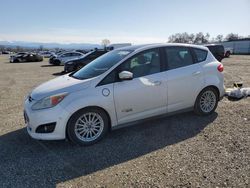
201,55
221,49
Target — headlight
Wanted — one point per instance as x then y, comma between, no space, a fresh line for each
49,102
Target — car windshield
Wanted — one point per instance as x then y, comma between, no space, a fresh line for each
101,64
89,53
84,55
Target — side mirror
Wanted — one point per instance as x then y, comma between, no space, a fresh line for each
126,75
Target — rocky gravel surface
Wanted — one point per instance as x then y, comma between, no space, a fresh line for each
183,150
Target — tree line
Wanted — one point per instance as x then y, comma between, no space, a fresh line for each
201,38
198,38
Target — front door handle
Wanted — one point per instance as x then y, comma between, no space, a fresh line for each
196,73
157,83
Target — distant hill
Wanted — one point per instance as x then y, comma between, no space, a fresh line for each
49,45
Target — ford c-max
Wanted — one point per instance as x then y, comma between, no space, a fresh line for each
124,86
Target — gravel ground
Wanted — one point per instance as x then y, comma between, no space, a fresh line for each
184,150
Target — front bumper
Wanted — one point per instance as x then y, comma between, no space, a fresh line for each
35,118
11,59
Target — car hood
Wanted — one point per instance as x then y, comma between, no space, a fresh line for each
59,85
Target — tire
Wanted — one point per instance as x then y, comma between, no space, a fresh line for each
26,60
227,54
206,102
80,126
57,62
16,61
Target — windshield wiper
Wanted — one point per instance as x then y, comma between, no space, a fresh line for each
72,75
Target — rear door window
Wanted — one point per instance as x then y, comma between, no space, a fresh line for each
212,49
178,57
74,54
201,55
66,55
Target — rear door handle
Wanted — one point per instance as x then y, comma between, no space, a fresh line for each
196,73
157,83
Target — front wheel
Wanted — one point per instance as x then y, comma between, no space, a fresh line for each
206,102
57,62
87,126
18,60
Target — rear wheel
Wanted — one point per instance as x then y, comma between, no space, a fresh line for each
87,126
206,102
57,62
227,54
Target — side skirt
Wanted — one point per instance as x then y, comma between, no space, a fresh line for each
119,126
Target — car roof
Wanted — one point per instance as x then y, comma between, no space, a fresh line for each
70,52
98,50
208,45
133,47
149,46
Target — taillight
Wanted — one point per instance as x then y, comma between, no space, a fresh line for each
220,68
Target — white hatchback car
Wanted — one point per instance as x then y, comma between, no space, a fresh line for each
124,86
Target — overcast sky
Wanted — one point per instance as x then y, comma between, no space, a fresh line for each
135,21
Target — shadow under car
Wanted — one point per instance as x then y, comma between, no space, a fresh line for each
28,162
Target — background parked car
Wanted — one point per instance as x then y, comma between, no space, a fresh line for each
25,57
83,51
61,58
76,64
6,52
46,54
217,50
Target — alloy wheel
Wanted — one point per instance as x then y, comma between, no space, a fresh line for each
89,126
207,101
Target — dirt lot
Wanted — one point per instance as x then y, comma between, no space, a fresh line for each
179,151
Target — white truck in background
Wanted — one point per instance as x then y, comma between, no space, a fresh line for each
118,45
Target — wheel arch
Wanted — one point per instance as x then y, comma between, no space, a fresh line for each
89,107
211,86
197,108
